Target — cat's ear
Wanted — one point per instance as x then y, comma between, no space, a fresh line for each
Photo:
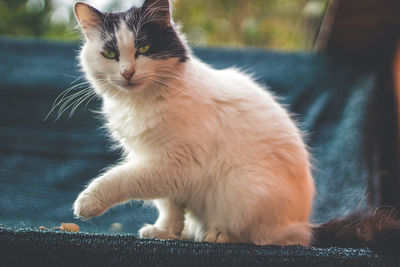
158,10
88,18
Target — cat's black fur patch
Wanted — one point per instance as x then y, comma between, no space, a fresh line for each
111,22
154,31
378,229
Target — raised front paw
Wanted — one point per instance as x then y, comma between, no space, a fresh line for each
89,205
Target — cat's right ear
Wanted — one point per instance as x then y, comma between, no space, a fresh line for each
89,19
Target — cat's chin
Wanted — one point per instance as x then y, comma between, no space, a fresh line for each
129,87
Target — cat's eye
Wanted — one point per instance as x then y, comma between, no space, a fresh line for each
108,54
144,49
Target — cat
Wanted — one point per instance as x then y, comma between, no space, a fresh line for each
217,154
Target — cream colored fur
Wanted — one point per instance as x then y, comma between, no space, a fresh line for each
220,158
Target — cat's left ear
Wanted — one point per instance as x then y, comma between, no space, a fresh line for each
89,18
159,10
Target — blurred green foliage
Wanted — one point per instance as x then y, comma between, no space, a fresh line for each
281,24
278,24
29,18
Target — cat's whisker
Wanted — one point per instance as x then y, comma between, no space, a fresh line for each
61,97
77,79
170,75
79,102
148,13
72,100
87,103
142,17
170,70
178,90
74,76
65,92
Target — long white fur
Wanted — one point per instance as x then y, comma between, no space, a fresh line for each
222,160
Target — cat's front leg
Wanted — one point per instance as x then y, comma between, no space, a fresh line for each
123,183
170,221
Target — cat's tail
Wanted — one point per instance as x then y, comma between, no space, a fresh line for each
377,229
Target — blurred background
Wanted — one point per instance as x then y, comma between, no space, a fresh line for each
289,25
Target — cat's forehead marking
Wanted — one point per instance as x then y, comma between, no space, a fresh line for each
125,39
131,18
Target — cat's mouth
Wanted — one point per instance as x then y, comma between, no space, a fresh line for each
132,84
127,85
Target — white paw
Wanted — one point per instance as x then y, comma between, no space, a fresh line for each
87,205
214,236
151,231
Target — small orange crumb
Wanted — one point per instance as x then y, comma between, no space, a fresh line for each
69,227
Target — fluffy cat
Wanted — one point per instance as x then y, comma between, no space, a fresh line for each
219,157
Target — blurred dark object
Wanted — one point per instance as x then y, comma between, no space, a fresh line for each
368,32
367,27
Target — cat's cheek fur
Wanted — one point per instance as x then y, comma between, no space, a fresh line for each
95,66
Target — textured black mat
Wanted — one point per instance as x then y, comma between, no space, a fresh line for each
39,248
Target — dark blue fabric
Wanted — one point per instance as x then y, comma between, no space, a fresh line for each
45,164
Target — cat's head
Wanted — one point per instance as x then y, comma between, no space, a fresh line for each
130,51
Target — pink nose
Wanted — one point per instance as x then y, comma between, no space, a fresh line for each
128,74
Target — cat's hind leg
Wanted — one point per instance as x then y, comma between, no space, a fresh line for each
196,230
169,224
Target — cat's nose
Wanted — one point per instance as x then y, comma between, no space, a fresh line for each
127,74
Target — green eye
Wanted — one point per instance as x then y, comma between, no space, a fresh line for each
143,49
108,54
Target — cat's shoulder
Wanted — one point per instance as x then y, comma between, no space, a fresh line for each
232,75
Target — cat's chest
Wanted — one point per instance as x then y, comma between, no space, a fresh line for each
134,129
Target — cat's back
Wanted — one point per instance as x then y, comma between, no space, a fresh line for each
233,87
248,121
241,105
